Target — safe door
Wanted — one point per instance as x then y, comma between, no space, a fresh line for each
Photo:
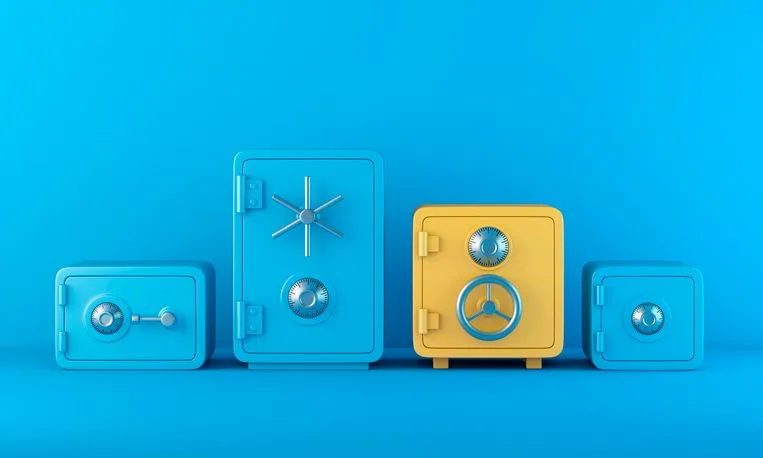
490,281
306,258
647,318
127,318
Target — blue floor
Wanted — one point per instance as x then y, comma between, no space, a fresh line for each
399,408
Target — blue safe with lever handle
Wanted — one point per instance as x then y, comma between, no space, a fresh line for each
308,255
135,315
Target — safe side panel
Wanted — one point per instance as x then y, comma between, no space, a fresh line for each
530,267
673,343
144,296
345,265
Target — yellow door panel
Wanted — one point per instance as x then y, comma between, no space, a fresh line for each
529,266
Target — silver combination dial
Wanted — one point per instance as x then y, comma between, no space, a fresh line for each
647,319
488,246
107,318
308,298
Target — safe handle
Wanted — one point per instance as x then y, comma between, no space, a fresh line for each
165,318
307,216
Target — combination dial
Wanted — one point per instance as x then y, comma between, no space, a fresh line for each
308,298
488,246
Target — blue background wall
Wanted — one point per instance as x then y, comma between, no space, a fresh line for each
640,120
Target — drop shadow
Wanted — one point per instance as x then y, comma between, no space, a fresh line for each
399,363
223,363
482,364
225,360
40,360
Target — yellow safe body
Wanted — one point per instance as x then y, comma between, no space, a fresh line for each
445,262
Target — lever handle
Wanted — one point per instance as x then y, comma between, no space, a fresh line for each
167,319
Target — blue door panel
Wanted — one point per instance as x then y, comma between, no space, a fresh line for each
119,339
340,316
648,318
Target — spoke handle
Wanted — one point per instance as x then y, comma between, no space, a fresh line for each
307,216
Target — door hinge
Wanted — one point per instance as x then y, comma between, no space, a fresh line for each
599,292
61,294
247,320
599,344
248,193
61,342
428,243
428,321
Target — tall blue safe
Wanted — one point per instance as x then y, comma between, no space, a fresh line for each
640,315
135,315
308,253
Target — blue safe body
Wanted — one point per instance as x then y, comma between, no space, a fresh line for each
135,315
640,315
308,255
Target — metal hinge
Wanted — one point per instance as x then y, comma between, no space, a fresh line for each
428,243
60,333
599,344
248,193
61,294
247,320
428,321
599,292
61,342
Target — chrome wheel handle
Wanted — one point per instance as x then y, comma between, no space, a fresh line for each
489,307
307,216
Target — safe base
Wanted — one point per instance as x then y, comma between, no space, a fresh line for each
530,363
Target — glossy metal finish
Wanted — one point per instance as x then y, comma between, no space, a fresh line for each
488,246
165,318
308,298
107,318
647,318
307,216
489,307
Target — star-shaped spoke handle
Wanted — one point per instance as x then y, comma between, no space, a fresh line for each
307,216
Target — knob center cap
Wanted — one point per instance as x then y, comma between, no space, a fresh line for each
167,319
106,319
307,216
489,247
307,299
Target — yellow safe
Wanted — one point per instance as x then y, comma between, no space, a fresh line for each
488,282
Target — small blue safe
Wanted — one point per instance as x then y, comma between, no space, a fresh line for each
135,315
308,255
643,315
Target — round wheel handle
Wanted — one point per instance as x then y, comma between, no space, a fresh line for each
466,322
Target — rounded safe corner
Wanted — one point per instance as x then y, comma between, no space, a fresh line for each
488,282
135,315
308,255
643,315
